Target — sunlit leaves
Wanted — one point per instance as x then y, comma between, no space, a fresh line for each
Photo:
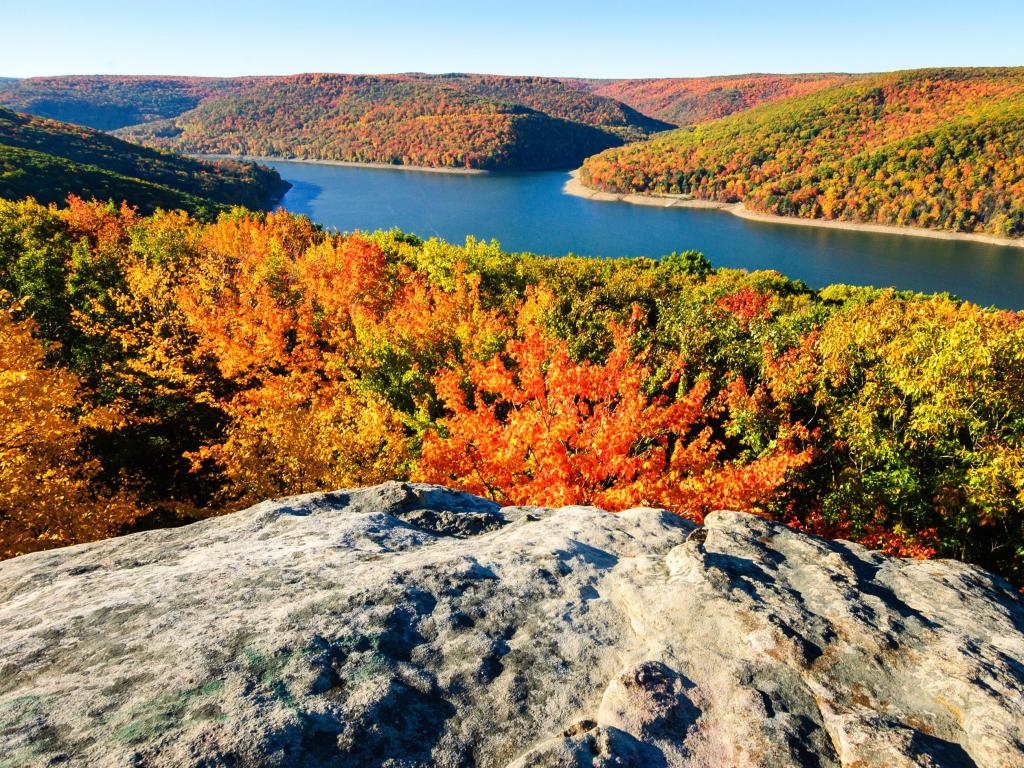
206,366
537,427
47,494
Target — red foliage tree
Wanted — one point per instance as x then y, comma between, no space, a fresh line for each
541,428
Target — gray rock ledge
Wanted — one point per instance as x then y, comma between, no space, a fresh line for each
409,625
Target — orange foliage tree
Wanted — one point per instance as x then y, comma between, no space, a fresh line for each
277,306
541,428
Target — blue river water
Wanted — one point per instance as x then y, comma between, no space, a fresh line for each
529,212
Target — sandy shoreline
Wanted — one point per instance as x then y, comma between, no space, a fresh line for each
343,163
575,187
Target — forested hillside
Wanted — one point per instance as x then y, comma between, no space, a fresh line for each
107,102
463,120
471,122
940,148
689,100
563,100
48,160
160,369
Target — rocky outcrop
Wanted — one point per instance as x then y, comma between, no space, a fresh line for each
408,625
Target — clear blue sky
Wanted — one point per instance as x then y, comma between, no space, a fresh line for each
595,38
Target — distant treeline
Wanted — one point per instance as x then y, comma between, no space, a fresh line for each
453,121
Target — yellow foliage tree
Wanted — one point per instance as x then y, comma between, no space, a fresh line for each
277,306
48,497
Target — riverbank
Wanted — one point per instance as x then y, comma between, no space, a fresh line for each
573,186
343,164
276,195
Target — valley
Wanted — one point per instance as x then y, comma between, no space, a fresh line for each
924,149
531,212
512,385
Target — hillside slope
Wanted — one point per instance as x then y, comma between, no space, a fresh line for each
926,148
410,625
560,99
689,100
473,122
48,160
108,102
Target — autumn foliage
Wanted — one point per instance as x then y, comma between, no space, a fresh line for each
157,369
546,429
47,494
278,308
937,148
461,121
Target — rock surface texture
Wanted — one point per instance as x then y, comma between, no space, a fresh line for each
409,625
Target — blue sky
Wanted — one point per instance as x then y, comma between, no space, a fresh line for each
594,39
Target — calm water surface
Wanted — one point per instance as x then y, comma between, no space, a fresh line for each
529,212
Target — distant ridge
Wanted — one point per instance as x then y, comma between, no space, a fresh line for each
108,102
690,100
455,120
936,148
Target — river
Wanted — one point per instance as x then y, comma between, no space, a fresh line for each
529,212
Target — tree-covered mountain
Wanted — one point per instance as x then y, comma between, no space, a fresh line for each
108,102
690,100
930,148
561,99
939,148
445,121
49,160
